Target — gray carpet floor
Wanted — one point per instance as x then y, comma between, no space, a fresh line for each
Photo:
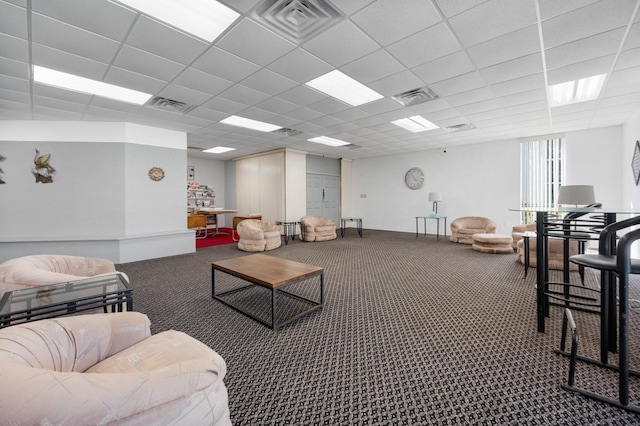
413,332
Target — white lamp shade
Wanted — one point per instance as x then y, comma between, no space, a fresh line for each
576,194
435,196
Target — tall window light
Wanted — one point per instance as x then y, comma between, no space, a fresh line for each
541,174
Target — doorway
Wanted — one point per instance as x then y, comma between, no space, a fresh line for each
323,196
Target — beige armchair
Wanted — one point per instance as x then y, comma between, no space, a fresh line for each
463,228
317,228
556,253
105,369
517,232
257,235
46,269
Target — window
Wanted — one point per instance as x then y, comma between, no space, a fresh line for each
541,174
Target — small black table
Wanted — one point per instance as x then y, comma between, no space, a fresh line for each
55,300
343,225
288,229
437,218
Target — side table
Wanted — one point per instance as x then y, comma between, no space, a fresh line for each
343,224
288,229
437,219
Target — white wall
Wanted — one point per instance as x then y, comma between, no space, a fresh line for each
477,180
630,134
101,202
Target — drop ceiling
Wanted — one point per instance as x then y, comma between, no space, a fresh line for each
489,63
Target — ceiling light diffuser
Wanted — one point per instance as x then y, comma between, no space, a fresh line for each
205,19
218,150
328,141
415,124
80,84
248,123
344,88
571,92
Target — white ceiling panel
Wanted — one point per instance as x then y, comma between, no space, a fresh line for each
481,57
414,15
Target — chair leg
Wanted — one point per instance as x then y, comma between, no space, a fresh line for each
567,321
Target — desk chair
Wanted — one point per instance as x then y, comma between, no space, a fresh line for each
621,265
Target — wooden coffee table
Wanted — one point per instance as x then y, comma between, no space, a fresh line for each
272,273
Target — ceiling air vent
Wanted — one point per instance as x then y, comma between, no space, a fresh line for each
286,132
297,20
171,105
415,96
460,127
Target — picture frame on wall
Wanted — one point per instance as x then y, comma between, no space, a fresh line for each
635,163
191,172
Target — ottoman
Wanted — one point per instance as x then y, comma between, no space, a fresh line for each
492,243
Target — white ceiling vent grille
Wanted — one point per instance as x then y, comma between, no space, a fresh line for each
297,20
460,127
171,105
415,96
286,132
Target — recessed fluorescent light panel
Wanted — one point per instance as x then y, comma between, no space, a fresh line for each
328,141
248,123
80,84
344,88
415,124
571,92
205,19
218,150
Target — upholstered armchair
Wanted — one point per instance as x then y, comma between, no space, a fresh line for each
46,269
517,232
258,235
463,228
556,253
107,369
317,228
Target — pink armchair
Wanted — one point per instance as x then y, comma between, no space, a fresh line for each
107,368
463,228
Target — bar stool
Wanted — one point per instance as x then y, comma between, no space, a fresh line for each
621,264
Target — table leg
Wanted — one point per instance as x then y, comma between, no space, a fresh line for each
540,265
527,260
416,227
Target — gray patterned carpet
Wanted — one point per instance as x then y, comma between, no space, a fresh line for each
413,332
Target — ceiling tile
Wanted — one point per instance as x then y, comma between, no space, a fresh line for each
184,94
410,17
135,81
13,20
628,58
175,46
302,95
244,95
450,8
520,67
518,85
139,61
411,51
14,48
375,66
580,70
202,82
300,65
459,84
254,43
592,19
331,47
14,68
397,83
66,62
269,82
492,19
603,44
61,36
444,68
513,45
97,16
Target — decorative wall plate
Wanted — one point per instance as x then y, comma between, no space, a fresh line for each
156,174
635,163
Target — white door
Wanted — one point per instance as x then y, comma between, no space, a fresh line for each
323,196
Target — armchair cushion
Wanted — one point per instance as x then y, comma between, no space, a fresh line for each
96,369
463,228
317,228
518,231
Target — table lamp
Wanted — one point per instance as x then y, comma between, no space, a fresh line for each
576,195
435,197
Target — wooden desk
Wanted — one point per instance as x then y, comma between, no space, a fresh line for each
272,273
212,218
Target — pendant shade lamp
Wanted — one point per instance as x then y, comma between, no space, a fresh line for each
435,197
576,195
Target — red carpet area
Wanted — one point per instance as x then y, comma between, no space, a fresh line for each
215,240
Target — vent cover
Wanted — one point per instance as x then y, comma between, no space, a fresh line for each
460,127
297,20
286,132
415,96
171,105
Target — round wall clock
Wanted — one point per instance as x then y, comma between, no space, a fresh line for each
156,174
414,178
